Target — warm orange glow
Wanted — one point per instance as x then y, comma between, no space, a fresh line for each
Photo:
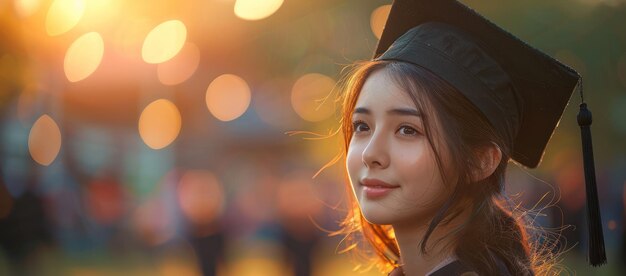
256,9
25,106
296,198
309,97
130,39
44,140
26,8
164,41
378,19
200,196
159,124
83,57
228,97
179,265
270,102
100,14
570,180
181,67
63,15
254,266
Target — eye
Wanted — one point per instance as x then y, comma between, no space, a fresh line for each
360,126
408,131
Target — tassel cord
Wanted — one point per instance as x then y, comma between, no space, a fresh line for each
597,254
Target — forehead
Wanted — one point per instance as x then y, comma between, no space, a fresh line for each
380,91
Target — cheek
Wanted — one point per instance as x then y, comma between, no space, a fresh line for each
354,160
418,169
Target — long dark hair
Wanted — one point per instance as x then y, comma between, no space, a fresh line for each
493,231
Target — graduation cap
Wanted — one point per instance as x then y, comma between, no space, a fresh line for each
520,90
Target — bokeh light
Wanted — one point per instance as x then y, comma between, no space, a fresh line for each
378,19
200,196
612,225
228,97
44,140
100,14
310,97
159,124
181,67
26,8
63,15
255,9
164,41
83,57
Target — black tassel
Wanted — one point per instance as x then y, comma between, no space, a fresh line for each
597,254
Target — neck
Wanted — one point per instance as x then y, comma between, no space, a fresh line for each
409,237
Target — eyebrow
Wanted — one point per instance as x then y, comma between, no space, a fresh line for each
395,111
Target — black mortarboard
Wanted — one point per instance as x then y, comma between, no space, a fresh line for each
520,90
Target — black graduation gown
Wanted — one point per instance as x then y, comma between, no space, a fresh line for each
456,268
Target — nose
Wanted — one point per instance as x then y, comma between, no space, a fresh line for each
376,153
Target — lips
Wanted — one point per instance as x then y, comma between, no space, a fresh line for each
375,188
373,182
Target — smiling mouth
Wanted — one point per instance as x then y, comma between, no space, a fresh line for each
376,183
377,190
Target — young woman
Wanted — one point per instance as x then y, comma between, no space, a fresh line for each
422,159
430,125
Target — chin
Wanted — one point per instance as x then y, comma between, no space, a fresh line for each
374,214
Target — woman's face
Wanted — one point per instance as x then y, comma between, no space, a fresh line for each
391,164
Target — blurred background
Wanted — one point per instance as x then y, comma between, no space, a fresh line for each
149,137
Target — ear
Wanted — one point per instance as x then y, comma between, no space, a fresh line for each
489,158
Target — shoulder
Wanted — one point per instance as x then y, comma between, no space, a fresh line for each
459,268
456,268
